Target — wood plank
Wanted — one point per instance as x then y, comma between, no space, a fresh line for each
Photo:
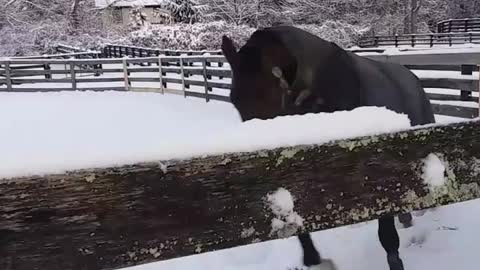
110,218
455,111
41,80
435,96
452,83
97,80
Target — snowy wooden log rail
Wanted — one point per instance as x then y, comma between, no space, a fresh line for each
116,217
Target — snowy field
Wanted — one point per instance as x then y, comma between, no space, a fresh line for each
52,132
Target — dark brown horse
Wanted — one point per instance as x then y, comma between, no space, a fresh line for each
285,71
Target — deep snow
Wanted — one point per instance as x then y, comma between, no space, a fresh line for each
64,130
57,131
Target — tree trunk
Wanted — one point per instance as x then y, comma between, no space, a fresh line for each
74,22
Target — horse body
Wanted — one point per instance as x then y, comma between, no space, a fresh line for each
395,87
284,70
345,80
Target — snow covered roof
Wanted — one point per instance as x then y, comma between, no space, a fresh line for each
127,3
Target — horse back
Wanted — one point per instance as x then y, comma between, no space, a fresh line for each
395,87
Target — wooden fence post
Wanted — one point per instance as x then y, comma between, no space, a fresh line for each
162,87
466,70
72,76
125,74
396,40
183,77
46,67
8,76
205,80
186,74
208,64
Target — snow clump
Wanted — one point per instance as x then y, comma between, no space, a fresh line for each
286,221
433,171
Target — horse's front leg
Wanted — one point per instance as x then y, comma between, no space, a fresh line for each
310,254
311,257
390,241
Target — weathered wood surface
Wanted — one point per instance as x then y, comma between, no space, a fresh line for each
117,217
451,83
451,97
455,111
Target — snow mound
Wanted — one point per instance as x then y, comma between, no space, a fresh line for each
54,132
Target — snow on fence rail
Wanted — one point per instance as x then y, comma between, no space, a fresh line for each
206,77
431,39
459,25
116,217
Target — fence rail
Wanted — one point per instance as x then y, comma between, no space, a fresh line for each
116,217
115,51
459,25
204,76
430,40
121,74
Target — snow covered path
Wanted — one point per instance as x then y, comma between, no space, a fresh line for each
66,130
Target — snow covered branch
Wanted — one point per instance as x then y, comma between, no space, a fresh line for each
121,216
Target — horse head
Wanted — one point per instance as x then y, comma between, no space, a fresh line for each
263,72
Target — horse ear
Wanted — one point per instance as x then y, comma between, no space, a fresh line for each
229,51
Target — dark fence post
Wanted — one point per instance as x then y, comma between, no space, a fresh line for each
72,76
46,67
205,80
466,70
8,76
396,40
413,41
431,40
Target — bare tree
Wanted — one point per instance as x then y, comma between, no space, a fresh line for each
74,14
411,19
237,12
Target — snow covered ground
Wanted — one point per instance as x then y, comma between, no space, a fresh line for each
48,132
444,239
